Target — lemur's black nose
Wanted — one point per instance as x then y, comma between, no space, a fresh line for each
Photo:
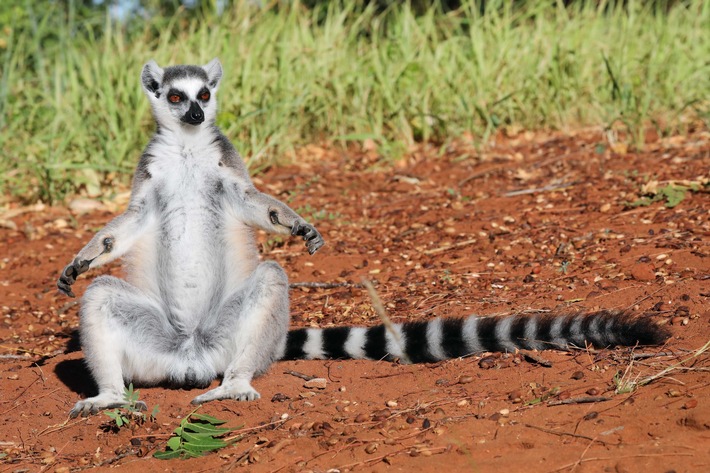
195,115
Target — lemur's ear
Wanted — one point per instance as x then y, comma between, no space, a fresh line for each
214,72
151,77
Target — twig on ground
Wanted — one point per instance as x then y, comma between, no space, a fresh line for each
640,455
535,190
323,285
459,244
300,375
536,358
563,434
578,400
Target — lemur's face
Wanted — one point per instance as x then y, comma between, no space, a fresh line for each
182,95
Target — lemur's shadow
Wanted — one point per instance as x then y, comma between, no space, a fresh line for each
74,373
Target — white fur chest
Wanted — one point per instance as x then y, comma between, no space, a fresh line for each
190,234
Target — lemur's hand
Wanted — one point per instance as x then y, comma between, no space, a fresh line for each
69,275
310,235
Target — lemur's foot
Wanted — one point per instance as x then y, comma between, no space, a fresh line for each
93,405
240,390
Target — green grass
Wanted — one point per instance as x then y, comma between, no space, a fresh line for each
72,113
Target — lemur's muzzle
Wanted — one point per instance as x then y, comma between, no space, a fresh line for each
194,116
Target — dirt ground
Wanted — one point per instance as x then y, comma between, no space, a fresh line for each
531,223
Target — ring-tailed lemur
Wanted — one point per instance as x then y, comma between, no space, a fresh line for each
198,304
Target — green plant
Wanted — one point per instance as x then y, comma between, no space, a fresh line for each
672,193
71,101
196,435
132,410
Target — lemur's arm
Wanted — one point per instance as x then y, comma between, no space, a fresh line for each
112,241
265,212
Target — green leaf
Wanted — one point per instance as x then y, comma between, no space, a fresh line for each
202,441
201,428
174,443
167,455
207,418
199,450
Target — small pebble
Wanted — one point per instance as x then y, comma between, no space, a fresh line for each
316,383
391,403
577,375
371,448
690,404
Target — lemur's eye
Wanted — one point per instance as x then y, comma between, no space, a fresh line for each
174,98
205,96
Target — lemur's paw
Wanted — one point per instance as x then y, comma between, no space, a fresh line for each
94,405
238,393
69,275
312,237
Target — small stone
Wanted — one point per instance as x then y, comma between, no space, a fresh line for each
462,403
504,412
371,448
316,383
391,403
593,391
465,379
578,375
515,397
690,404
605,208
360,418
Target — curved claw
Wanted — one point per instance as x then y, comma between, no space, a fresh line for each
69,275
312,237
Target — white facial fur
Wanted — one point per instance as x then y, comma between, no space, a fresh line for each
190,83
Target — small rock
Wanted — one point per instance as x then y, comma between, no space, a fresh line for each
690,404
504,412
488,362
391,403
279,397
593,391
578,375
371,448
316,383
362,418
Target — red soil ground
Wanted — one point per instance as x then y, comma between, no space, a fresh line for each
530,223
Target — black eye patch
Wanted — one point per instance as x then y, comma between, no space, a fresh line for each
175,96
204,94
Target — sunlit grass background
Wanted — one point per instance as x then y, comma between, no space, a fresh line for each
72,113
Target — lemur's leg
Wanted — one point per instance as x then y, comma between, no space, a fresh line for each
253,323
123,331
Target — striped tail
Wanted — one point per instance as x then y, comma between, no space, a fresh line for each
444,338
